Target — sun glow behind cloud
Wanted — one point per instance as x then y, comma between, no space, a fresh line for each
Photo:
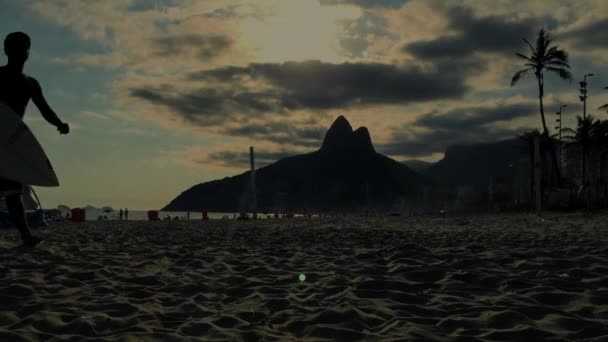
297,31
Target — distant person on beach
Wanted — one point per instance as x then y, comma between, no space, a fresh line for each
16,90
126,214
120,213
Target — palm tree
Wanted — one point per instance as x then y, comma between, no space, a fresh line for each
543,57
583,138
604,107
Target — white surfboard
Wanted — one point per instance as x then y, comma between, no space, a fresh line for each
22,159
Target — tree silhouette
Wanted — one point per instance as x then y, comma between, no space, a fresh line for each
583,138
543,58
604,107
600,140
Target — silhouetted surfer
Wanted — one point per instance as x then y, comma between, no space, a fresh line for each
16,89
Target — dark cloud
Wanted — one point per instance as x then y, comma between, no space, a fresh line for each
467,34
284,133
318,85
434,133
148,5
241,159
591,36
464,118
206,46
367,3
207,106
227,99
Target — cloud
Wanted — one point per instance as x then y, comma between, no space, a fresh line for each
205,47
465,118
93,114
590,36
283,133
223,159
467,34
363,32
142,34
132,131
318,85
153,5
263,101
224,12
367,3
208,106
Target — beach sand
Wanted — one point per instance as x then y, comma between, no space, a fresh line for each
485,278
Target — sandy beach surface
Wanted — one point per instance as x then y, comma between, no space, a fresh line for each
479,278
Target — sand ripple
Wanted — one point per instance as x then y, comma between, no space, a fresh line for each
489,278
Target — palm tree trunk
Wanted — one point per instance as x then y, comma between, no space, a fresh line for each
554,165
539,77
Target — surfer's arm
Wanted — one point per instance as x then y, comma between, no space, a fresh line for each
42,105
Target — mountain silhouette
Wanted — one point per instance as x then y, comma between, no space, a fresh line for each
476,164
346,173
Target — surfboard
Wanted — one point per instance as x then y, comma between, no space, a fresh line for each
22,159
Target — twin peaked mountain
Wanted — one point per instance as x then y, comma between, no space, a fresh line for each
346,173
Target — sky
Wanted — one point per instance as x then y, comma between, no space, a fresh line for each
161,95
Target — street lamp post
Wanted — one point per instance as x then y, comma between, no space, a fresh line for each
559,128
583,95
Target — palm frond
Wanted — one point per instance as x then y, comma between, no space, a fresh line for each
547,42
558,63
556,55
541,42
563,73
521,55
604,107
530,45
551,50
518,75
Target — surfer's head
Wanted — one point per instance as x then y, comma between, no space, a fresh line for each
17,46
